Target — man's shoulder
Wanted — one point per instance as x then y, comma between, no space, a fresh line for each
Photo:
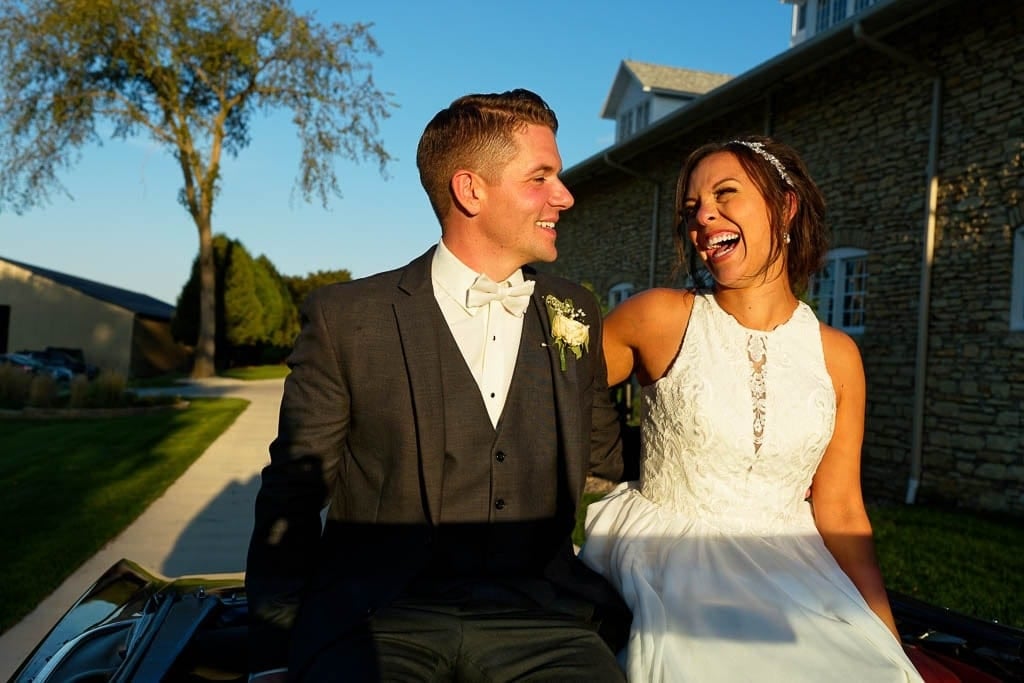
373,288
563,288
555,283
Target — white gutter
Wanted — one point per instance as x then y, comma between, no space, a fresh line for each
927,255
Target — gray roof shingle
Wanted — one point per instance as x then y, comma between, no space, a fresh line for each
675,79
660,80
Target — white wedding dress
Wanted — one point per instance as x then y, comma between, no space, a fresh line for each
715,549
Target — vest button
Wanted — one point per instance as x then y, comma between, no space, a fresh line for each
499,504
500,456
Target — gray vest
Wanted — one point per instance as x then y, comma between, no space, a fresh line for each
502,487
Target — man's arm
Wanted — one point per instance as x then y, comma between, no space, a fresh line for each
295,487
605,429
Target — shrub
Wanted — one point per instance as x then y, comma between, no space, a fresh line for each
14,387
107,390
42,391
79,392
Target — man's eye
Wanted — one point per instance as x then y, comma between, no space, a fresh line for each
539,179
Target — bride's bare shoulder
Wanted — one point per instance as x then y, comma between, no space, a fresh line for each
651,325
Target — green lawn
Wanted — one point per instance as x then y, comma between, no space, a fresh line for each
69,486
969,563
250,372
257,372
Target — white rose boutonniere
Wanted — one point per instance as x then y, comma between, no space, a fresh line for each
566,329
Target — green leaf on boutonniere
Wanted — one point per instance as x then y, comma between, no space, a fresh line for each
567,332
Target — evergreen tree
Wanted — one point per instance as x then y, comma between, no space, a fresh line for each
256,318
281,321
243,309
301,285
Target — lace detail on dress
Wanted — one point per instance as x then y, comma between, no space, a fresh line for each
697,457
757,349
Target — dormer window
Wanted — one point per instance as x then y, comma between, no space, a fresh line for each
643,93
811,17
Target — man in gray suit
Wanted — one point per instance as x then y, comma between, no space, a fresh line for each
448,414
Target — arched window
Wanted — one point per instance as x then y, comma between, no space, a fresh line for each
1017,294
619,293
839,292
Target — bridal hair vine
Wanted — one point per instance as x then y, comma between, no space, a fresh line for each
758,147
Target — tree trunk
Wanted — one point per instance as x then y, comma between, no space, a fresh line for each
203,365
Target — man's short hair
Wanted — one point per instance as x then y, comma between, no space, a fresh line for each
476,132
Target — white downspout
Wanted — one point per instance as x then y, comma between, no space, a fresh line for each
927,256
653,251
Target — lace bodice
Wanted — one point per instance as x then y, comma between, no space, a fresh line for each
734,432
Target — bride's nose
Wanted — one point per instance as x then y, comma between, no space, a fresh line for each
706,213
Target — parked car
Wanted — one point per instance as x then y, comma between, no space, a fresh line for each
135,625
19,361
72,359
29,363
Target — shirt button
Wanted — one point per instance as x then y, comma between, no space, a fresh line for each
499,504
499,456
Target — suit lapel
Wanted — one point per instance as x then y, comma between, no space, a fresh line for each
417,318
566,390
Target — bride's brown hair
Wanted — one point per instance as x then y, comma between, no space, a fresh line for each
778,172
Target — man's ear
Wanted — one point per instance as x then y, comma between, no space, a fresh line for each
467,192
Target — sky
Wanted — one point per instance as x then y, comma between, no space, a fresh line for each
120,222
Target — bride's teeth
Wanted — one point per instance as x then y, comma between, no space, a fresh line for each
546,224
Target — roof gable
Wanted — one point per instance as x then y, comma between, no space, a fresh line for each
660,80
141,304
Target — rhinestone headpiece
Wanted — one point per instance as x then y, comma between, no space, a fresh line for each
758,147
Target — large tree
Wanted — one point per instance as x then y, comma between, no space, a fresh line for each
189,74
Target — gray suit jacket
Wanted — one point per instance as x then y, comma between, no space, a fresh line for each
362,428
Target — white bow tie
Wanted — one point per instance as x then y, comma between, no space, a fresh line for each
515,298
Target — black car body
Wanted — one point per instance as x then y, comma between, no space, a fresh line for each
134,625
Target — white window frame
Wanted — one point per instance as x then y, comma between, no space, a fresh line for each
834,311
619,293
1017,293
643,115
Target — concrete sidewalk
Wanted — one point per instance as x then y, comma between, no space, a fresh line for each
201,524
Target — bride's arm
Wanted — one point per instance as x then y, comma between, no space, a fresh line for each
643,334
837,500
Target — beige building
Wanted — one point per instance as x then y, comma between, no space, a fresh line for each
116,329
910,115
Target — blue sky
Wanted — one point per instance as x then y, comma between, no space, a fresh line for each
125,228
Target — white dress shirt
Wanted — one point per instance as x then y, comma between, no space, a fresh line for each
488,336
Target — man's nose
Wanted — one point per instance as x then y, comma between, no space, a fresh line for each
562,198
